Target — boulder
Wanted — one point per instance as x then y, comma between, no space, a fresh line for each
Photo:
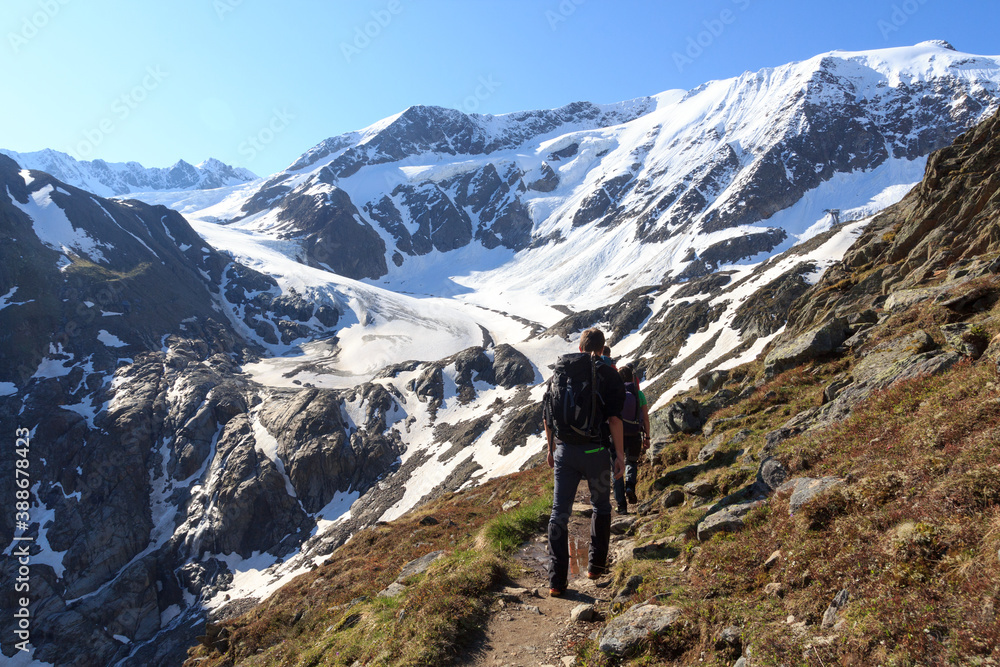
622,525
712,381
903,299
684,416
418,565
392,590
831,613
700,488
805,489
625,632
963,338
771,474
728,520
583,613
673,498
729,641
775,590
709,451
807,346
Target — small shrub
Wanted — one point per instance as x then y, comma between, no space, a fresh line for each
819,512
733,478
880,489
978,488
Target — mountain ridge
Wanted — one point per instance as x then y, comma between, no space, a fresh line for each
122,178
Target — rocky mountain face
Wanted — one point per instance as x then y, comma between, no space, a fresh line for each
155,459
121,178
703,173
123,335
937,249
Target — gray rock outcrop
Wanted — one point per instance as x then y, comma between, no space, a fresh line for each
624,633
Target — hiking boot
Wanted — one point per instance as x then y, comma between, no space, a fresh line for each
623,509
593,575
630,496
557,592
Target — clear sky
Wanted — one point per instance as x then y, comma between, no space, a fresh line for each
256,83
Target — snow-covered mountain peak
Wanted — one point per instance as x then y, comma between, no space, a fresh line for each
109,179
686,181
938,42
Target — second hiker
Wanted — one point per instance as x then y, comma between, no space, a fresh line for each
635,431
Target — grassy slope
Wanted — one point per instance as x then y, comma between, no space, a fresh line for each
333,615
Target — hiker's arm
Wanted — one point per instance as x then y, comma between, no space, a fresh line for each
645,426
550,445
618,438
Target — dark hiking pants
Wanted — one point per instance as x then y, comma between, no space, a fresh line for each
627,481
573,463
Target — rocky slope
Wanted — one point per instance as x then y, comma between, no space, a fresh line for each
121,178
151,455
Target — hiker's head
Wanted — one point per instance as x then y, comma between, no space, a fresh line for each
607,351
626,373
592,341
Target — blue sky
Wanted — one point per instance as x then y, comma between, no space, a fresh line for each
257,83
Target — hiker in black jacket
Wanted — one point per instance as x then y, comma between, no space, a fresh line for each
580,425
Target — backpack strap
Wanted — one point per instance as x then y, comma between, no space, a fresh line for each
593,393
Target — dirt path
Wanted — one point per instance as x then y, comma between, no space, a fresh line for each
530,629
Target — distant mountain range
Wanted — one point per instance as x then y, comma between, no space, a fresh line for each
109,179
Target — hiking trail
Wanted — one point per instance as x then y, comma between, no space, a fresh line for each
529,628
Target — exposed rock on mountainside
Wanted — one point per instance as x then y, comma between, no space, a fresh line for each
942,231
156,462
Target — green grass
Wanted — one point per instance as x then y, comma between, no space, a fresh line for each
509,530
333,615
